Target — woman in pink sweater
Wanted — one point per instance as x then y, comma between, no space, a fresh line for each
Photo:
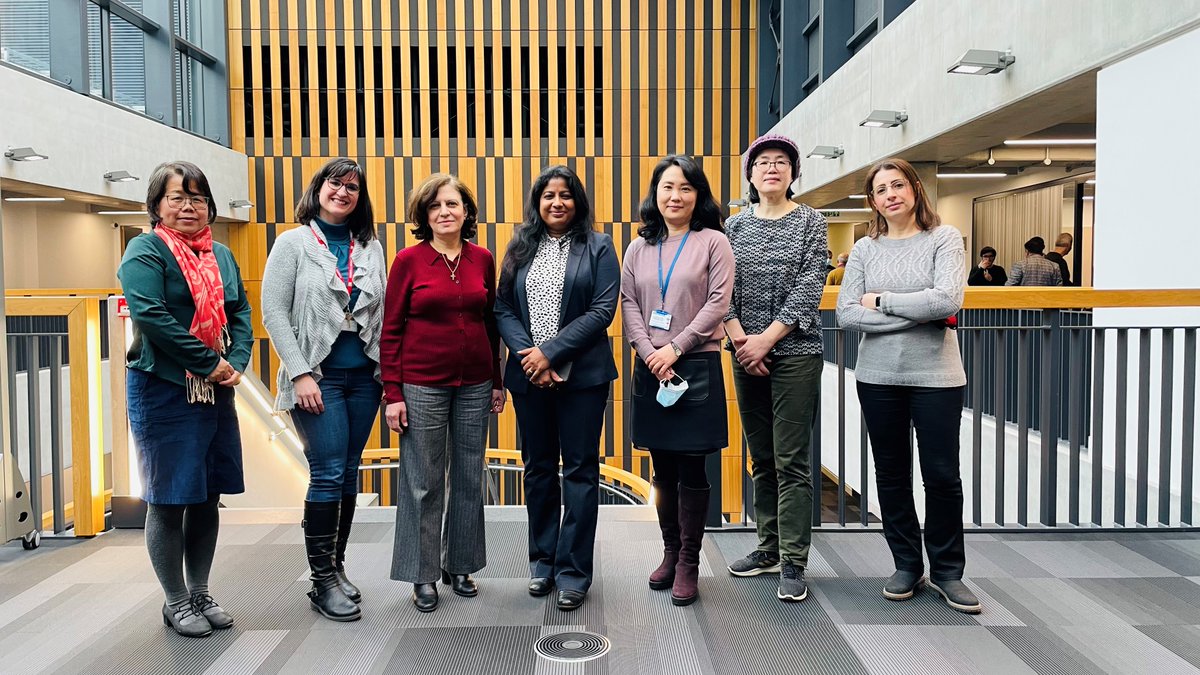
676,287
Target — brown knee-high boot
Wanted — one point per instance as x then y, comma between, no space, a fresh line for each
666,500
693,510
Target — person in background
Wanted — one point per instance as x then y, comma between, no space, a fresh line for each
1062,247
439,354
1034,269
834,278
904,280
775,330
322,305
559,285
829,266
987,272
191,343
676,285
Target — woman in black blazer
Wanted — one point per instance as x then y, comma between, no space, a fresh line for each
558,291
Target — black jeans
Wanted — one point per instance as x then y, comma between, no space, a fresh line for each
936,413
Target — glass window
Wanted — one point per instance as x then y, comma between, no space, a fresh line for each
95,51
814,51
189,92
187,20
864,12
25,34
814,8
128,64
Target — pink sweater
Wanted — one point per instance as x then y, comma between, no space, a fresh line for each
697,297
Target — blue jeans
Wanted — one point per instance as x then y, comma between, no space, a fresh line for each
334,439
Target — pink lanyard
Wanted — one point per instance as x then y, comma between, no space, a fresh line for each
349,279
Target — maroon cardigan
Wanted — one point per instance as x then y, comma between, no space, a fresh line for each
438,333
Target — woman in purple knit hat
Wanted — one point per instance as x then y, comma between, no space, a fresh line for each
775,333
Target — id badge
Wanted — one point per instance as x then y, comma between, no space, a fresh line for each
660,319
349,324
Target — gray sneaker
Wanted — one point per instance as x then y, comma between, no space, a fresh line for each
902,584
791,583
957,595
758,562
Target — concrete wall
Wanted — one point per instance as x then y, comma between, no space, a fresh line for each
904,68
85,138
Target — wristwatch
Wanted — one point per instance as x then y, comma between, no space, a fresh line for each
678,351
877,299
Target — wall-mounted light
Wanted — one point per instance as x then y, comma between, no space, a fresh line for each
25,154
241,204
884,119
827,151
120,176
982,62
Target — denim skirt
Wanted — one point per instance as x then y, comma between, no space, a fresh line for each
186,451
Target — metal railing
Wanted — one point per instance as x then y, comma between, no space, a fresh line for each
54,346
1066,423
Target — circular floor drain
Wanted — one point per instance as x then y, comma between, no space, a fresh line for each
572,647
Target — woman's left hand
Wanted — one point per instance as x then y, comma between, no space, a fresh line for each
752,349
661,360
534,362
498,399
232,380
868,300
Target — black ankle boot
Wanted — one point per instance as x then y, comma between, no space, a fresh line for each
320,541
349,503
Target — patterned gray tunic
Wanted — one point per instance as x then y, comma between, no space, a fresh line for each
780,275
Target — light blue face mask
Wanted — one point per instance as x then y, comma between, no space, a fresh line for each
670,393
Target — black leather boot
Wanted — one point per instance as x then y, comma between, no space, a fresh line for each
345,522
320,542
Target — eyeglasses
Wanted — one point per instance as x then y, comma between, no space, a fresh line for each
336,185
764,164
896,186
177,201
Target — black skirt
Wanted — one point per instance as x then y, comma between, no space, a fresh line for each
697,423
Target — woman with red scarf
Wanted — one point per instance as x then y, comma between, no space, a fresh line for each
191,342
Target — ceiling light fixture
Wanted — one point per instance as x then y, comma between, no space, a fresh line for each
1046,161
25,154
1090,181
857,197
241,204
120,213
35,199
884,119
837,211
827,151
1050,141
972,175
982,62
991,159
121,176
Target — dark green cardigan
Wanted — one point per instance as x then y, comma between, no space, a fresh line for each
161,308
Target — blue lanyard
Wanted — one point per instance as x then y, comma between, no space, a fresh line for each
664,283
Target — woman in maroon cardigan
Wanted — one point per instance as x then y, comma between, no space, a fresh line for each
439,356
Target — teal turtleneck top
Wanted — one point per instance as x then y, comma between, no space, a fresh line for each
347,350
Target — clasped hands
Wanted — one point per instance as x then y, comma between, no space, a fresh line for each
225,375
537,368
751,352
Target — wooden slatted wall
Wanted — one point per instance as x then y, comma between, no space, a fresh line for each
493,91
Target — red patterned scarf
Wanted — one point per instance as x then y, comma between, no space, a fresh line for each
203,277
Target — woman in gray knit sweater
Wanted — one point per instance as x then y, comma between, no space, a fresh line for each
903,286
322,304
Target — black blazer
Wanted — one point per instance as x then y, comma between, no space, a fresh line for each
589,303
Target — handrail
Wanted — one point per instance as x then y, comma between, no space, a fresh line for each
87,418
1055,297
638,485
60,292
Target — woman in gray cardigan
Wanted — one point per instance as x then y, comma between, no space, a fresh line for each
322,304
903,286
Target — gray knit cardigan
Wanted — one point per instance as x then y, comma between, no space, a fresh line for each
303,299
